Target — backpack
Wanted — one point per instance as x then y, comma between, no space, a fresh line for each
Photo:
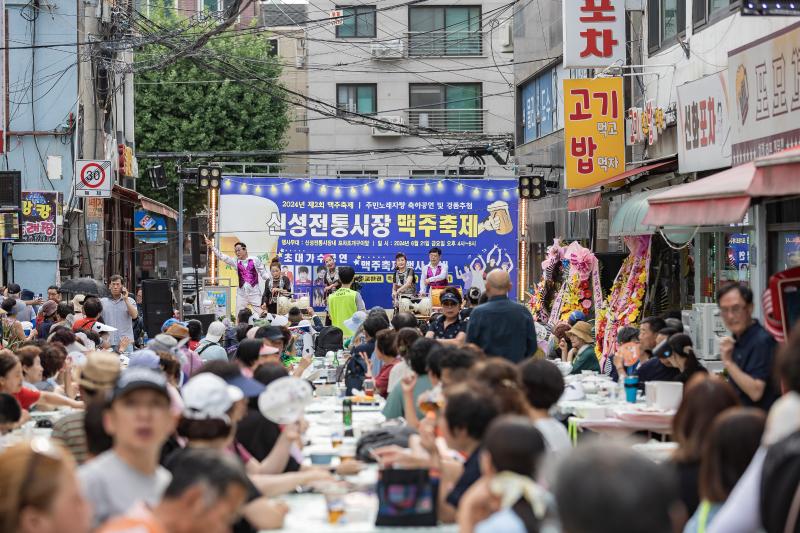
330,338
355,371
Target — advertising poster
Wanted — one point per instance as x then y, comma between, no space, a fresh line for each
364,223
39,217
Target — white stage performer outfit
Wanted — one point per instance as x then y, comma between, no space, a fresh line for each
433,277
249,271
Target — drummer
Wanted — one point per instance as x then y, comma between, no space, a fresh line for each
434,274
276,285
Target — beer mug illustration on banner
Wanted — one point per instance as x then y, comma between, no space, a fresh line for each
499,212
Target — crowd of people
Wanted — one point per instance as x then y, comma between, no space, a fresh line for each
169,434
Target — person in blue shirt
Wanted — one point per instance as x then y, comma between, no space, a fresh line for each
749,355
501,327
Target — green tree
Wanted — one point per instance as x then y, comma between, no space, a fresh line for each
189,107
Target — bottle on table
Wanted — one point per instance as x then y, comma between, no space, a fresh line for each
347,413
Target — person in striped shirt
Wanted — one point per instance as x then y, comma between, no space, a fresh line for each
97,377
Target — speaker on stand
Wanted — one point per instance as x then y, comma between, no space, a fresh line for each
156,304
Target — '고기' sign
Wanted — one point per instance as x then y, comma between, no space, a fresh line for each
594,133
93,178
594,33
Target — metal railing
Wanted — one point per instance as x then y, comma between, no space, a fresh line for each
456,120
445,43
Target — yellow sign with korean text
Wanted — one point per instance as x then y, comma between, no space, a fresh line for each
594,131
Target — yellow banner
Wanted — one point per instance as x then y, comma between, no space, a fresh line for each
594,131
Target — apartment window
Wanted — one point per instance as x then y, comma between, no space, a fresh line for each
273,47
357,21
454,107
666,20
706,12
445,31
538,107
357,98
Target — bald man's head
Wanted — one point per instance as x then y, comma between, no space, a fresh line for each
498,283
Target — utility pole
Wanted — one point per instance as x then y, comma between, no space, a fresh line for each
180,245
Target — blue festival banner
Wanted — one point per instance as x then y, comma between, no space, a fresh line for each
365,222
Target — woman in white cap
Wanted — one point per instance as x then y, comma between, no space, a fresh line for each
212,408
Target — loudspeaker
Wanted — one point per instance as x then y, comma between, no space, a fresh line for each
194,231
549,233
10,189
156,304
206,319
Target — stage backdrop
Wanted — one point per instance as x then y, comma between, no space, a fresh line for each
364,223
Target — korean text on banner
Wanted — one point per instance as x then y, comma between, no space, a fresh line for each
703,124
365,223
763,88
594,133
594,33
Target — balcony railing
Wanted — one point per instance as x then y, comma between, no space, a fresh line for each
453,120
445,43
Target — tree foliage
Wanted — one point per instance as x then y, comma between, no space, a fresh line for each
186,107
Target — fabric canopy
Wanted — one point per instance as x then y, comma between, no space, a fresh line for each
724,198
582,202
628,220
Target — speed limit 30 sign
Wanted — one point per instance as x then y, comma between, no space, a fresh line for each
93,178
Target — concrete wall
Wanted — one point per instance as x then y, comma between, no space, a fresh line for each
349,61
55,96
292,54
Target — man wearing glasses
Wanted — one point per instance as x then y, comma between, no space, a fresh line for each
749,355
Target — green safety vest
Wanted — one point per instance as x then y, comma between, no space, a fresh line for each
341,306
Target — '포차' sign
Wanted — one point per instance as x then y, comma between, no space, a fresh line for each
594,131
594,33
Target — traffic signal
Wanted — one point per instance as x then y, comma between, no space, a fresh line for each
122,169
532,186
158,177
209,177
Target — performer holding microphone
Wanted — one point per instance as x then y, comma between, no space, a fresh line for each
434,274
276,286
249,269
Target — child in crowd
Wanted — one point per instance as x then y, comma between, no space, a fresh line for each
506,498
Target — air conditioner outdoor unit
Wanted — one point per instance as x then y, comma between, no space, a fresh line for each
393,49
381,132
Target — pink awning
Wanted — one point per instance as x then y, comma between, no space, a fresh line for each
723,198
582,202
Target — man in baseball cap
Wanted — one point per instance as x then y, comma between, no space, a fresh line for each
139,422
97,375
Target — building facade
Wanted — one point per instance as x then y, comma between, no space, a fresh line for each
433,77
285,25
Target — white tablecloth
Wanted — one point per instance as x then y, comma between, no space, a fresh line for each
308,514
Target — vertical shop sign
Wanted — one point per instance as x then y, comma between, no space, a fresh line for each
594,135
594,33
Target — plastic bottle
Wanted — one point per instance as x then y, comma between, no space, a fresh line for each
347,413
